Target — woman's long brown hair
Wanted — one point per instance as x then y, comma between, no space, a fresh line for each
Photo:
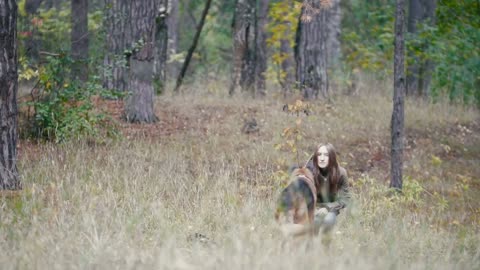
333,171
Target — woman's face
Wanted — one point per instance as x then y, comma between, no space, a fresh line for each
322,157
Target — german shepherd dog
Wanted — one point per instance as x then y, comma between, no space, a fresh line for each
296,204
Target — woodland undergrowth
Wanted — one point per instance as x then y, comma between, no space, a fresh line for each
203,197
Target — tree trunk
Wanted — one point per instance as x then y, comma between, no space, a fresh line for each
53,4
398,114
161,44
139,104
261,64
117,14
194,45
414,15
427,65
172,25
311,51
244,46
96,4
334,20
419,69
33,42
31,6
79,39
426,77
287,66
9,178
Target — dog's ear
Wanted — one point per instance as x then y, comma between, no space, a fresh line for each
305,171
292,168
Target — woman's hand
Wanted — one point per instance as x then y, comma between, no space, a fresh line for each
331,206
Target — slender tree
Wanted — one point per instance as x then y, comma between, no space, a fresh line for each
288,65
79,39
161,44
311,49
244,46
261,65
193,46
139,102
419,69
398,114
9,178
172,48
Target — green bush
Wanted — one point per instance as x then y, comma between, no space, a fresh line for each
62,107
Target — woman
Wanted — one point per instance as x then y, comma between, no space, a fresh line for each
331,184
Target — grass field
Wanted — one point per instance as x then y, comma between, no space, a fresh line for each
135,203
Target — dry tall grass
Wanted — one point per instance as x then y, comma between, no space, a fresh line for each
133,204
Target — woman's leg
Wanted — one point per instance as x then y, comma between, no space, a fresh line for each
325,220
329,221
320,214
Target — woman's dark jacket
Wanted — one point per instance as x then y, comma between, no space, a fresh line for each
332,201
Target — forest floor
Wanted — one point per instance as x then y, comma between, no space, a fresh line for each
452,140
135,202
430,144
365,154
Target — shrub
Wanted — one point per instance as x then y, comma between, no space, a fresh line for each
62,107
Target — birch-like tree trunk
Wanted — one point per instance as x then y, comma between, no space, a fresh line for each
9,178
398,114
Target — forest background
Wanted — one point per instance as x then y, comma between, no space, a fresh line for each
99,191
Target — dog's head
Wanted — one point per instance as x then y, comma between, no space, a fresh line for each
303,171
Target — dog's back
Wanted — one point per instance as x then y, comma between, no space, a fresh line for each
295,201
296,204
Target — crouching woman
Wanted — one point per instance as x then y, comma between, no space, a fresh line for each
331,184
